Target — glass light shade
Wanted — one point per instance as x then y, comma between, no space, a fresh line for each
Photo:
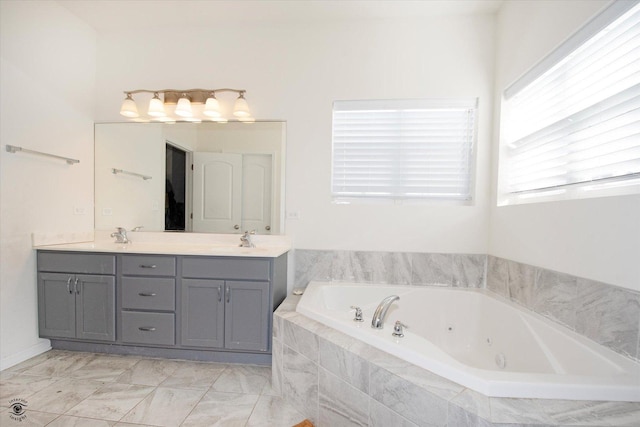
156,107
129,108
183,109
212,107
241,108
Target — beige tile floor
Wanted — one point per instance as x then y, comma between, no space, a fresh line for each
64,389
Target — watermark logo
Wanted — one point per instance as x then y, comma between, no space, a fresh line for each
17,409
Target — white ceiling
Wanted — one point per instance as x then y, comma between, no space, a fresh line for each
107,15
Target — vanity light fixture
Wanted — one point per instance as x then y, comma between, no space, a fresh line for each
212,106
156,107
190,105
241,108
183,109
129,108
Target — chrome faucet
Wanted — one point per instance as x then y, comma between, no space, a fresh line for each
381,312
245,239
121,235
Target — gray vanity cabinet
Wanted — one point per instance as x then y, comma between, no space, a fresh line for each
203,313
186,306
225,314
147,288
73,305
247,313
226,303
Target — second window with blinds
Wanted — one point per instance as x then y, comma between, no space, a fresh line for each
403,151
571,124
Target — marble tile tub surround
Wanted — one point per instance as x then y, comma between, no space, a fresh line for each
399,268
335,380
607,314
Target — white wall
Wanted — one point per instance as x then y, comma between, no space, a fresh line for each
294,72
595,238
47,78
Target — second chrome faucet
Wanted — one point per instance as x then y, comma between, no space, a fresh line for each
381,311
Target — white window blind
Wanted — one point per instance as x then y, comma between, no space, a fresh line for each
578,123
403,149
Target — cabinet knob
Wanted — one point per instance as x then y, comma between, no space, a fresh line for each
268,228
236,227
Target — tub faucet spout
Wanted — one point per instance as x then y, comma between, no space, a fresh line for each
381,312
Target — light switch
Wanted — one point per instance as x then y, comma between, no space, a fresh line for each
293,215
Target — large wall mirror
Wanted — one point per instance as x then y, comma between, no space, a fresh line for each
201,177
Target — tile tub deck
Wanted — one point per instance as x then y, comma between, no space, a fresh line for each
335,380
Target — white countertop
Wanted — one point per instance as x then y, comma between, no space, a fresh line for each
178,244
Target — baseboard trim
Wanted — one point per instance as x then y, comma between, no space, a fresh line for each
41,347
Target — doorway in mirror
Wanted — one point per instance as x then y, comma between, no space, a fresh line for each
175,189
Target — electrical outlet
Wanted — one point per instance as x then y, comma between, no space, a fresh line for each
107,211
293,215
155,206
79,211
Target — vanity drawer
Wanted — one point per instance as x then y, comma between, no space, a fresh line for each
148,328
226,268
149,265
76,263
149,293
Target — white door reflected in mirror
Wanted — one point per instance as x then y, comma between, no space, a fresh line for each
217,192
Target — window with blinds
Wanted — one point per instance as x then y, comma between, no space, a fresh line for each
403,149
573,122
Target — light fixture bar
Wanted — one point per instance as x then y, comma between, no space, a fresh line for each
171,96
182,99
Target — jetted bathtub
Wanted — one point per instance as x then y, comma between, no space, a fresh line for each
481,342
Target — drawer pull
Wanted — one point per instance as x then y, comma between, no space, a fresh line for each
75,286
147,294
228,294
69,285
147,328
219,293
147,266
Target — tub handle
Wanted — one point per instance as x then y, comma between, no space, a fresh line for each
358,316
398,329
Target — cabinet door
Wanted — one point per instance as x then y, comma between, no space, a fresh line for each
202,313
95,308
247,314
56,305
